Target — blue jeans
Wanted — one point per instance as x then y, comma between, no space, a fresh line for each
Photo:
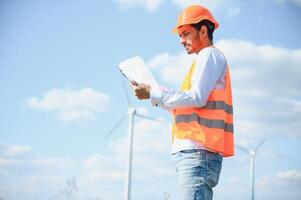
198,172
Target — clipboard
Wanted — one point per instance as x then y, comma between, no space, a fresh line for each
136,71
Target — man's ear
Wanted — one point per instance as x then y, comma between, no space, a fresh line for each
203,32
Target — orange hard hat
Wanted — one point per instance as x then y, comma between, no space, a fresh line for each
193,15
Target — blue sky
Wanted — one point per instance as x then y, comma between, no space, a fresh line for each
61,93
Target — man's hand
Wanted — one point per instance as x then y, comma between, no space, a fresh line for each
142,91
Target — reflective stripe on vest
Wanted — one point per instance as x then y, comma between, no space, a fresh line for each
205,122
210,125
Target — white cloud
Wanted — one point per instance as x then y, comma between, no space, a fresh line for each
149,5
23,171
9,151
291,180
72,105
172,67
21,160
266,186
24,177
296,2
294,175
158,60
265,86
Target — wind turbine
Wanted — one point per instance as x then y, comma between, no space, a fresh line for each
132,112
252,153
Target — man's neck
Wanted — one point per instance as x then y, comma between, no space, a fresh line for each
208,44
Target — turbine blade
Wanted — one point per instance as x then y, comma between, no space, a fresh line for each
126,94
260,144
242,148
150,118
116,125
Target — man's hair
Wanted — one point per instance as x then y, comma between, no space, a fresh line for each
208,24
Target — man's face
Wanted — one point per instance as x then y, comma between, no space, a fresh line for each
190,39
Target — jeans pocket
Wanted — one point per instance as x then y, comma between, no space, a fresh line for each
214,166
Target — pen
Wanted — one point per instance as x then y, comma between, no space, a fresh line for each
131,81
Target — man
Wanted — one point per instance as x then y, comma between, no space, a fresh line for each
202,109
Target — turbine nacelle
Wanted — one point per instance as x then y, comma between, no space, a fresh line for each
252,153
132,111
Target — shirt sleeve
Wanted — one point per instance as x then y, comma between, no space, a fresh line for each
210,67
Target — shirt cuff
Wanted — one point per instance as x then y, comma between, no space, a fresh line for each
155,96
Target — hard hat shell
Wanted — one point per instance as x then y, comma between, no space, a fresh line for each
193,15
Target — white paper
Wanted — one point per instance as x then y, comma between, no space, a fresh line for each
136,69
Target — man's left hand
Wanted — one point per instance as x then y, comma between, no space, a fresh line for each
142,91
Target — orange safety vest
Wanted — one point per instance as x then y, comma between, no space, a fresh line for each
210,125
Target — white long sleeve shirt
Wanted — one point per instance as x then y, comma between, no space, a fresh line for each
209,74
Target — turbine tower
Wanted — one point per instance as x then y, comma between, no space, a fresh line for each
131,114
252,153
